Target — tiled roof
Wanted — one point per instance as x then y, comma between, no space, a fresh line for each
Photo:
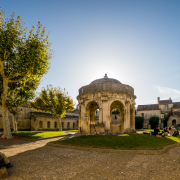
176,113
148,107
176,105
50,115
165,101
26,105
41,114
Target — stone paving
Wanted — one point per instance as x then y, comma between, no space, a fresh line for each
34,160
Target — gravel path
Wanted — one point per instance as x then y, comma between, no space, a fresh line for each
34,160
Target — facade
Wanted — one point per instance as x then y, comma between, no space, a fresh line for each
103,96
161,109
28,119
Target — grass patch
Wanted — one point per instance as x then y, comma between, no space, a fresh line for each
123,142
38,134
72,131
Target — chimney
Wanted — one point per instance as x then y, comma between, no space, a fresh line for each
169,98
158,99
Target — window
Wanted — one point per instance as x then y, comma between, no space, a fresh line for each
73,125
142,114
68,125
55,124
40,124
48,124
62,124
162,116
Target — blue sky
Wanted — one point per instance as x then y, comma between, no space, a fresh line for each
134,41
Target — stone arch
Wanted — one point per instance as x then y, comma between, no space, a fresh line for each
91,107
117,104
174,122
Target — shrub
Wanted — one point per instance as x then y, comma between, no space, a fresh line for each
139,122
153,121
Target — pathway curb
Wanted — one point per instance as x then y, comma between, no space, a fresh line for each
143,152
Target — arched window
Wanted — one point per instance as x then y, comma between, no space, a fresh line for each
40,124
48,124
62,124
174,122
55,124
73,125
68,125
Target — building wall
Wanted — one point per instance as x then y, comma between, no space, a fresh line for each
149,113
26,122
35,124
175,117
166,107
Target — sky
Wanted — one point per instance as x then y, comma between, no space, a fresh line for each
134,41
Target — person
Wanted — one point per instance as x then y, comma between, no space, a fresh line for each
157,131
175,132
165,131
173,129
170,132
4,161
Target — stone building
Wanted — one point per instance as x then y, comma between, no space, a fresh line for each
161,109
28,119
105,95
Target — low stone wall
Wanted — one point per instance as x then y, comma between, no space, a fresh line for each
97,128
115,128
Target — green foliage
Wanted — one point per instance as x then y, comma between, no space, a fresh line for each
153,121
25,58
115,111
54,100
139,122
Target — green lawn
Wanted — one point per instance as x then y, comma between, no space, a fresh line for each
123,142
38,134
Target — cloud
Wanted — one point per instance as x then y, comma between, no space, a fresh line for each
166,93
166,90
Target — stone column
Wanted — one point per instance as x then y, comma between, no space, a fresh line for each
133,120
127,117
106,115
100,116
84,120
122,119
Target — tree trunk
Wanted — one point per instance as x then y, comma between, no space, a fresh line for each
60,127
6,125
14,123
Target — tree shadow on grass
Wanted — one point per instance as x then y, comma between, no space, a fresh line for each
124,142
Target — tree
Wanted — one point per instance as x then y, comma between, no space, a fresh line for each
54,100
20,94
139,122
153,121
22,56
115,111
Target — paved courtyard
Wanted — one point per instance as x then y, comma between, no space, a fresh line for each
34,160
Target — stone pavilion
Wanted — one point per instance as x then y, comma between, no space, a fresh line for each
104,95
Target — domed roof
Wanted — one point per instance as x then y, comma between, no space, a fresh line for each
105,80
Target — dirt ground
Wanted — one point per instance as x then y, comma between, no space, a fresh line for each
34,160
